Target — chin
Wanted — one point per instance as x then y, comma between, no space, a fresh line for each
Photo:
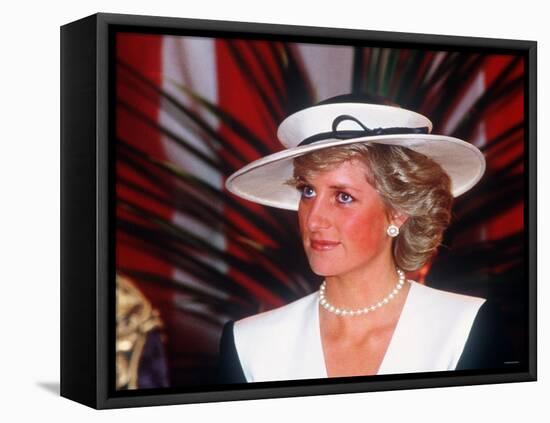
324,269
320,272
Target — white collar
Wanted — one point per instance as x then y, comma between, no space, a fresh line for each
285,343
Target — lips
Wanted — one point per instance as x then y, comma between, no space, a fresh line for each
323,245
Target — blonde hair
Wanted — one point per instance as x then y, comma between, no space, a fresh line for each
408,182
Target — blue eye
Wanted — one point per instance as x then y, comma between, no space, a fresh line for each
344,198
306,191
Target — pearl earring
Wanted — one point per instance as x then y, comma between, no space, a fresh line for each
392,230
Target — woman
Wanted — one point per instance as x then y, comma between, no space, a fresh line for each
373,190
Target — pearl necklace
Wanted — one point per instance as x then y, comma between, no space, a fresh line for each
345,312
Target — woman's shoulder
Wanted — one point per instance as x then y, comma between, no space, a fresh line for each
439,300
483,335
445,295
441,315
269,344
279,317
489,344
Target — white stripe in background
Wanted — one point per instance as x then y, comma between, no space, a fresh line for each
191,61
479,139
476,89
329,68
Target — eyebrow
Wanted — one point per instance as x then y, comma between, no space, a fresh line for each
304,180
343,187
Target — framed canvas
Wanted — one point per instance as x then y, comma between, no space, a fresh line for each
158,256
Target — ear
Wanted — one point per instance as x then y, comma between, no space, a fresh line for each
398,218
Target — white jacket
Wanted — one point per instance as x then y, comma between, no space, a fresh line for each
285,343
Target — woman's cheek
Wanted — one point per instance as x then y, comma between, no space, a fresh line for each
367,231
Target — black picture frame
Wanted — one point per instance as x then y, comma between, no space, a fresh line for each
87,215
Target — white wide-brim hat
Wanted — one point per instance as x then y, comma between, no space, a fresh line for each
326,125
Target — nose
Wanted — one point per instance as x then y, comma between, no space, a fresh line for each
317,216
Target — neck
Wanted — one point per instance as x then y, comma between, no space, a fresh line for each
362,287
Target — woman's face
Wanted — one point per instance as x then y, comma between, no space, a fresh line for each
343,221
